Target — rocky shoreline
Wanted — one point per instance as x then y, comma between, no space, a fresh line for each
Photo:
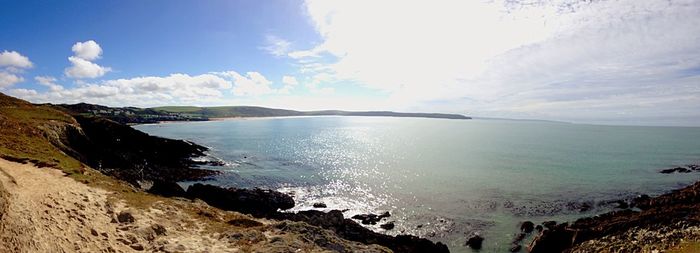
154,164
267,203
643,224
113,148
88,147
169,161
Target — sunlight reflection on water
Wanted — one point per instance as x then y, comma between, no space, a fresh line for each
443,179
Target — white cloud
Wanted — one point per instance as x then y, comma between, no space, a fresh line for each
314,86
49,82
13,59
88,50
81,63
82,68
276,46
138,91
12,63
289,80
7,79
289,83
253,84
513,58
23,93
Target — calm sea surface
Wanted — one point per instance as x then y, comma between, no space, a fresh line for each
444,179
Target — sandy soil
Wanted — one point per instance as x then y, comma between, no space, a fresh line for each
41,210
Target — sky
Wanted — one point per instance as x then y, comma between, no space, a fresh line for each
628,62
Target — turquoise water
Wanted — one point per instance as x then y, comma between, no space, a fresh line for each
444,179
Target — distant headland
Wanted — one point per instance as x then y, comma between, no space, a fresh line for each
134,115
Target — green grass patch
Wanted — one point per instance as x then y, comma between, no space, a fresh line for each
178,109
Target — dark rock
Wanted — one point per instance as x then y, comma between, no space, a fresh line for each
257,202
579,206
93,232
515,248
585,206
663,211
388,225
622,204
367,219
158,229
320,205
640,200
549,224
125,217
371,219
675,170
137,246
557,239
123,152
246,223
167,189
350,230
519,237
539,228
527,227
475,242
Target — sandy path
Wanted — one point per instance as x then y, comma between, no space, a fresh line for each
43,204
48,212
41,210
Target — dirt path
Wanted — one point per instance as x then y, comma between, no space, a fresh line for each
41,210
43,204
48,212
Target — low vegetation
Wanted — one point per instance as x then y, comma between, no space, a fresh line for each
29,133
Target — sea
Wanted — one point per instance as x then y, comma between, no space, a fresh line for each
445,179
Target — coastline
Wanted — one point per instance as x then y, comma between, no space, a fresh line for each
98,153
643,224
596,209
268,117
45,211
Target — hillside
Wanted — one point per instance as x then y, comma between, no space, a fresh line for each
127,114
254,111
134,115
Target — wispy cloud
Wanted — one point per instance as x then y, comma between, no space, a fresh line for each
551,59
276,46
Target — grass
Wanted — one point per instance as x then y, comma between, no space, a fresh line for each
687,247
179,109
27,132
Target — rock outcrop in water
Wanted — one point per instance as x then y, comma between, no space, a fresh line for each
687,169
370,218
474,242
266,203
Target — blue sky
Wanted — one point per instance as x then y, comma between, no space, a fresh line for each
609,62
